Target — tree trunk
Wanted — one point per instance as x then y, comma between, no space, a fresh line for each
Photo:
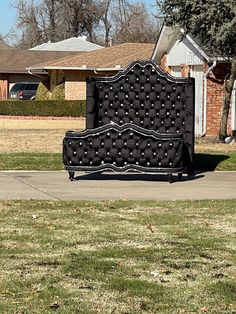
228,87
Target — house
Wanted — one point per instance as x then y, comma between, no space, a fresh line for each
182,56
73,70
79,44
13,64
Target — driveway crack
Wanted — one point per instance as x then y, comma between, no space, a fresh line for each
32,186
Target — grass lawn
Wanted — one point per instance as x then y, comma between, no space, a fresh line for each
207,161
118,257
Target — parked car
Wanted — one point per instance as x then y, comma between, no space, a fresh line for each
24,91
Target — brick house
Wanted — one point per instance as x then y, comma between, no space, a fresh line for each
182,56
73,70
13,63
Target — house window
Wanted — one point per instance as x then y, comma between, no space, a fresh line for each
176,71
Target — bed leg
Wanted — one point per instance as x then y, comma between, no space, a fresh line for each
71,175
180,175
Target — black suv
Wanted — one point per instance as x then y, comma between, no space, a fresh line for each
23,91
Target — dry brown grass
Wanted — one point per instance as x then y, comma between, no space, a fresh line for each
43,136
46,136
211,145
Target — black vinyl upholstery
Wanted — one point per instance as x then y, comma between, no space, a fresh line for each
156,108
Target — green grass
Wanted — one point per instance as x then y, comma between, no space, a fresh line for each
216,161
117,257
49,161
31,161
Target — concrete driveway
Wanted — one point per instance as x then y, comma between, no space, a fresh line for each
54,185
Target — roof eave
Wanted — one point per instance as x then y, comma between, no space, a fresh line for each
83,68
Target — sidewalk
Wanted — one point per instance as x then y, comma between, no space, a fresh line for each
54,185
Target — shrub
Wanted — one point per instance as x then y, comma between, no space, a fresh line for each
59,92
42,92
59,108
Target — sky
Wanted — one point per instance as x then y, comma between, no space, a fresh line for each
8,15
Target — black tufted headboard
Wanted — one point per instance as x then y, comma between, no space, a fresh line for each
146,96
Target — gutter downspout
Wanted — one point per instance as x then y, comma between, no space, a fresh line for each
205,97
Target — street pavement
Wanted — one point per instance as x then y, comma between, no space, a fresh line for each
54,185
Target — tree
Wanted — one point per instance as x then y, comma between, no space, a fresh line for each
136,25
214,24
53,20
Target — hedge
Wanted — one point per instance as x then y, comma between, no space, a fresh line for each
57,108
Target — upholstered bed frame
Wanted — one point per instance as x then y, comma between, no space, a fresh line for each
141,119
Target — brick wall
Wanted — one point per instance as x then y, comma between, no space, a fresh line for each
164,65
75,83
215,97
3,89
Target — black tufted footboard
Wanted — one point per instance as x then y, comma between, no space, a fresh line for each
142,119
123,148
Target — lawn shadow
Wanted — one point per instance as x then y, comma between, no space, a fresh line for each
208,162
